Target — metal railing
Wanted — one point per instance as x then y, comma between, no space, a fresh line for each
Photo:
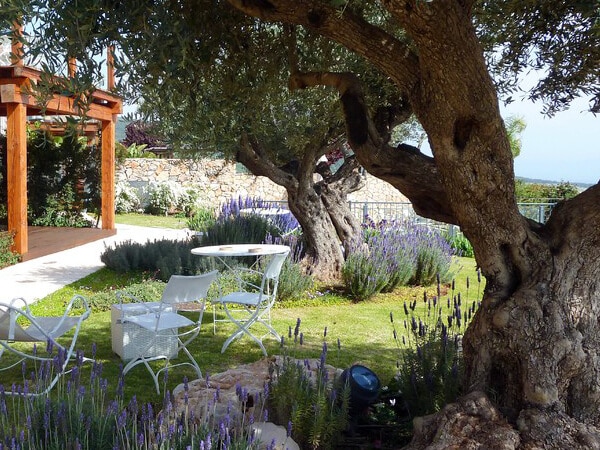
403,211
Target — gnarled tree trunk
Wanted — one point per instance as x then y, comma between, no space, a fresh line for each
320,207
533,347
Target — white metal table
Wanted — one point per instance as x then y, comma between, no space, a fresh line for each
223,252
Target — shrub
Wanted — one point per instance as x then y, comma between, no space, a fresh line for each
58,211
162,257
163,197
126,198
363,274
285,223
239,230
459,244
201,219
294,284
7,257
384,261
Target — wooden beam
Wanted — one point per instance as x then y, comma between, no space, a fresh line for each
58,104
108,174
16,175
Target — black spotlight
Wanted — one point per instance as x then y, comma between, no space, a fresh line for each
364,388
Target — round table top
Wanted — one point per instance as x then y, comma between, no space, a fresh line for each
240,250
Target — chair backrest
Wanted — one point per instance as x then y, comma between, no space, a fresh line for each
274,267
188,288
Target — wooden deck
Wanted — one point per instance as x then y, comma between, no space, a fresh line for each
46,240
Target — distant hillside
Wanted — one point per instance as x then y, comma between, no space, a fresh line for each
538,181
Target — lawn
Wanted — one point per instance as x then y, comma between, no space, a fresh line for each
364,329
147,220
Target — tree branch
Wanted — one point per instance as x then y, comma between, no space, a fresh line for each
250,154
405,167
390,55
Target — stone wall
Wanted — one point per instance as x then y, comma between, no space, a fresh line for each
220,180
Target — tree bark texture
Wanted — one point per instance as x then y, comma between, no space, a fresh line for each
320,207
533,348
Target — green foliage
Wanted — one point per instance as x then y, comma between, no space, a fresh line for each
434,258
58,211
163,258
147,291
459,243
82,413
162,197
550,193
293,282
395,254
202,219
62,178
7,257
514,127
363,276
314,406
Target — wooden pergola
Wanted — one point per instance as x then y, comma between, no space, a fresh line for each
17,81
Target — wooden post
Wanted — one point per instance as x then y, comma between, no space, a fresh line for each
110,68
16,174
17,45
108,174
72,67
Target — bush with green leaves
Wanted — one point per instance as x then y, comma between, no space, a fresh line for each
63,178
126,198
7,256
58,211
459,244
294,283
201,219
162,258
250,229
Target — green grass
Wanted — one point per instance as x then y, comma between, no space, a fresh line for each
147,220
364,329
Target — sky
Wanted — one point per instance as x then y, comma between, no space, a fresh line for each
565,147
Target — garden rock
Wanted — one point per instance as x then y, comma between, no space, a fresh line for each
273,436
220,394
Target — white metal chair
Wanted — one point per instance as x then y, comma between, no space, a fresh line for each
255,302
163,340
18,324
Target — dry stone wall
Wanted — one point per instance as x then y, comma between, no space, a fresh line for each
219,180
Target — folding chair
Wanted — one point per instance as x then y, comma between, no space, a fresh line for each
14,317
160,322
255,302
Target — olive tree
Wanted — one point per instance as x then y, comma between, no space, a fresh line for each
532,352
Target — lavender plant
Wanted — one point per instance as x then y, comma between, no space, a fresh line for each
81,415
430,352
314,404
284,223
434,256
